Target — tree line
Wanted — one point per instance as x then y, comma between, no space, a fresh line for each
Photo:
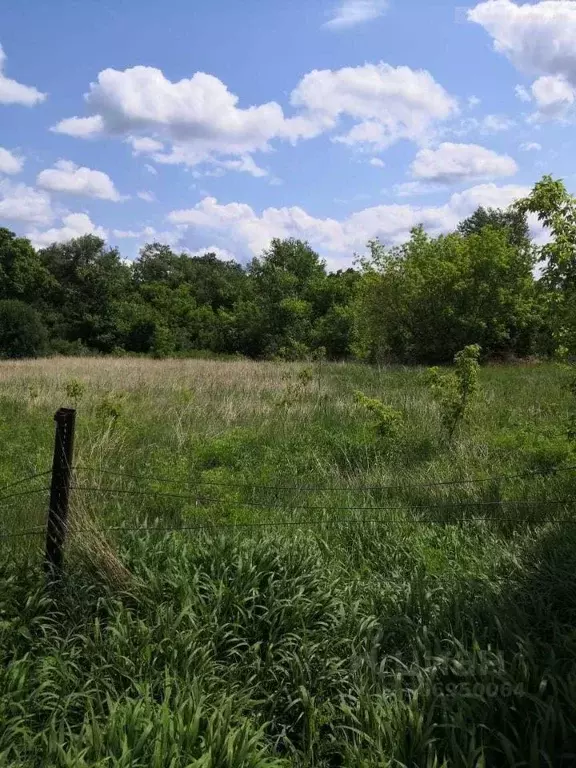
416,303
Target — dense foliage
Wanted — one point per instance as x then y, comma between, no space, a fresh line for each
418,302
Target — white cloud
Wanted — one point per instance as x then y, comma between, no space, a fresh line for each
554,96
80,127
377,162
220,253
149,234
144,145
538,38
9,162
485,126
151,169
147,196
198,120
250,232
522,93
77,180
12,92
349,13
454,163
496,124
391,103
473,101
20,203
199,116
217,168
530,146
73,225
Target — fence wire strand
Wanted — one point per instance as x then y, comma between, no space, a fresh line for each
227,503
338,489
23,480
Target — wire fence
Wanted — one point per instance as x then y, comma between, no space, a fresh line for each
192,491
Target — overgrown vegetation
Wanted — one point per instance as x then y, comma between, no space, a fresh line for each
441,633
419,302
455,390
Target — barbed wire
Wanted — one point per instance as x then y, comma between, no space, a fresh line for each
318,523
334,489
25,480
21,534
228,502
23,493
290,524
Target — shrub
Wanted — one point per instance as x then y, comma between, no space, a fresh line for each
387,420
22,333
75,390
455,391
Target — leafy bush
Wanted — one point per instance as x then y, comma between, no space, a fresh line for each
75,390
455,391
387,421
111,406
22,333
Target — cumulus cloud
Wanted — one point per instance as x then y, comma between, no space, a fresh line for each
73,225
350,13
538,38
390,103
198,120
554,97
251,232
12,92
199,115
144,145
9,162
21,203
78,180
454,163
80,127
377,162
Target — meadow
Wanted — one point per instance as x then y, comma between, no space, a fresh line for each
254,577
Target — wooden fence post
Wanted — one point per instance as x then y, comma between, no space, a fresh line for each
62,462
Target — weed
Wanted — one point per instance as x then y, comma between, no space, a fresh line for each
75,391
454,391
387,421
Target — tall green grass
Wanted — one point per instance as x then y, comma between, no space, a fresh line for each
401,642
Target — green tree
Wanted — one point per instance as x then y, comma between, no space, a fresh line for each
512,221
285,282
22,274
91,283
22,333
556,209
425,300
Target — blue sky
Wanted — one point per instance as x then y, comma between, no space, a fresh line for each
213,124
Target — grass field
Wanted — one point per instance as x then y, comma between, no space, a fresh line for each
329,603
